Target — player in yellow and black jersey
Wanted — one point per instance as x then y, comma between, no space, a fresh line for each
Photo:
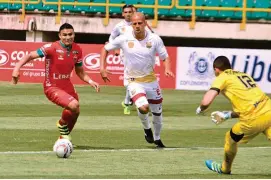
249,103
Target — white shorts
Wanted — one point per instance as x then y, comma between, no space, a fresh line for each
145,93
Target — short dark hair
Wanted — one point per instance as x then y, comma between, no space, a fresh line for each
135,8
65,26
222,63
127,6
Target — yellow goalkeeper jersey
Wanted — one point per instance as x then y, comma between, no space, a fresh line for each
246,97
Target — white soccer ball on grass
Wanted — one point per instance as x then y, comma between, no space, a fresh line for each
63,148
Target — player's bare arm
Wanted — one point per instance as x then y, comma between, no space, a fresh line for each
80,72
16,71
103,70
167,66
207,100
117,52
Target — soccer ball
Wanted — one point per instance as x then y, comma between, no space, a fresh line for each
63,148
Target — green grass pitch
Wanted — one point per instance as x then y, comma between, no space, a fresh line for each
111,145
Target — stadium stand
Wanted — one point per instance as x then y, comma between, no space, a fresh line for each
257,9
194,10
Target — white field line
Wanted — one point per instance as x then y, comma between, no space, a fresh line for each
127,150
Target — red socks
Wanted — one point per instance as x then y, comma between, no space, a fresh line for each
68,118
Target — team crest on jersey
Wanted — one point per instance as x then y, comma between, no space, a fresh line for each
123,29
131,44
75,57
75,52
148,45
201,66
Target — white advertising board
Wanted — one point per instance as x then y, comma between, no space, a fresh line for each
195,66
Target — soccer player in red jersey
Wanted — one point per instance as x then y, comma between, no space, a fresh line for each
61,57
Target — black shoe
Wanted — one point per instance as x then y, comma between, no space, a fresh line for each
159,144
149,136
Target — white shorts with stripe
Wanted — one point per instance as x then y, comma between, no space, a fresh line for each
145,93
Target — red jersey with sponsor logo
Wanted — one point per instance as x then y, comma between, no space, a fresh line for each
60,61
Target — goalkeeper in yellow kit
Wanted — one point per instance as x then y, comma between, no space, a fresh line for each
249,103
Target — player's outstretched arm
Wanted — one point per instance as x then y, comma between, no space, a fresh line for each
162,52
207,100
16,71
167,66
103,71
117,52
80,72
114,44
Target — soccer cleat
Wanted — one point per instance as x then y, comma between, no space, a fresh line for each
123,105
69,137
214,166
159,144
126,108
149,135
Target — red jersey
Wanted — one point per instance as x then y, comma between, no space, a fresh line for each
59,64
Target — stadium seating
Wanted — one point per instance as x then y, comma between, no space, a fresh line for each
173,12
181,12
164,3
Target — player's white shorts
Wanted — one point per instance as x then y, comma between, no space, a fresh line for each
145,93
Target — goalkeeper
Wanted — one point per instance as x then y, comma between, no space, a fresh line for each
249,103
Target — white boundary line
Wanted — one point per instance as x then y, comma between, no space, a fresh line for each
126,150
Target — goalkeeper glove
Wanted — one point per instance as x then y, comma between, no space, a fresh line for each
220,116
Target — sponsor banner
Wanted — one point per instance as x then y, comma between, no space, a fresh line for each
195,66
12,52
34,72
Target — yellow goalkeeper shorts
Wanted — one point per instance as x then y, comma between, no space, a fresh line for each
252,128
